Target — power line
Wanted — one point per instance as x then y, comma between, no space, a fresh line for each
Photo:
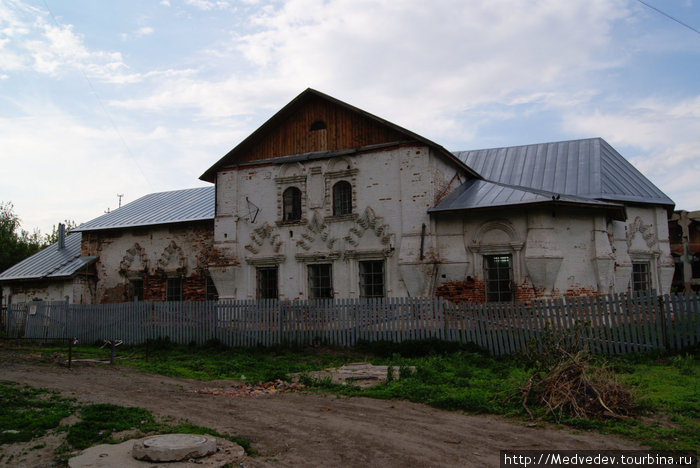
669,16
104,109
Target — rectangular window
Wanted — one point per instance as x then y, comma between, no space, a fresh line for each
641,280
372,278
320,281
173,289
498,277
136,290
211,292
267,283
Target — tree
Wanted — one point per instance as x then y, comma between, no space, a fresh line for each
53,237
16,244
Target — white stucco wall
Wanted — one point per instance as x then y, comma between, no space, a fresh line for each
557,251
392,191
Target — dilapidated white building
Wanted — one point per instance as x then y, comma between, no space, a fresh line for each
325,200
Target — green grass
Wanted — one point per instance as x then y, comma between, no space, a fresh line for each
448,376
27,413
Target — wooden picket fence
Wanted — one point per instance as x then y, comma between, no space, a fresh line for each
610,324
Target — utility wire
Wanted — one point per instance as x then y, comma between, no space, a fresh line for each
669,16
104,109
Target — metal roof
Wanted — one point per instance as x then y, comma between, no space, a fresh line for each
588,168
50,262
177,206
483,194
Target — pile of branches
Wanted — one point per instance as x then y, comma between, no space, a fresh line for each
577,387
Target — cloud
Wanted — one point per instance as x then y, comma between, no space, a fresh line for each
661,137
208,5
29,41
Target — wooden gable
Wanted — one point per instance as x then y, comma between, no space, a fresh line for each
317,125
314,122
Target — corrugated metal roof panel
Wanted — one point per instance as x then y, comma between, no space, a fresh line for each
589,168
50,262
177,206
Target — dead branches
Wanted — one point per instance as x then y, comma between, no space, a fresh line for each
576,387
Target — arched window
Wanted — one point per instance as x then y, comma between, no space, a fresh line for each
342,198
291,204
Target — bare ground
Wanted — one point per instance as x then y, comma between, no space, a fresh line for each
300,429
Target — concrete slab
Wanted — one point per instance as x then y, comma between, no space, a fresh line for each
120,455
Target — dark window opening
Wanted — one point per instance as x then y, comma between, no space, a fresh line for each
320,281
695,266
342,198
173,289
498,276
267,283
372,278
318,125
136,290
210,288
641,280
291,204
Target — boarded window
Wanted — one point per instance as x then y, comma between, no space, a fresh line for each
291,204
498,278
136,290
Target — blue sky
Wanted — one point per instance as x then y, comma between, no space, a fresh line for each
99,98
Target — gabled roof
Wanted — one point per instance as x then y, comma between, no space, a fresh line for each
483,194
50,262
231,158
588,168
177,206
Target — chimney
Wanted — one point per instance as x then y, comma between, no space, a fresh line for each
61,236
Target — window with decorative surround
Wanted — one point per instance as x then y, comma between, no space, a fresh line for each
320,281
641,277
291,204
498,278
342,198
372,278
267,282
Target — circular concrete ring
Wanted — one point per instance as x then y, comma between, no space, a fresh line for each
173,447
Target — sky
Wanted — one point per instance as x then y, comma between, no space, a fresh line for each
104,98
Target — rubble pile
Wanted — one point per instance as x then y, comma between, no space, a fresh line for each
246,390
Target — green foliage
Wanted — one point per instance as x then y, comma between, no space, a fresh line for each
16,244
27,413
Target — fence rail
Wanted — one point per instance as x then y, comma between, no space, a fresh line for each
611,324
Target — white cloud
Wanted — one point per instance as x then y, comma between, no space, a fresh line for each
663,137
30,41
207,5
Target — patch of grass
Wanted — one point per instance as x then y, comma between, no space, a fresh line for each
100,421
27,413
464,380
251,365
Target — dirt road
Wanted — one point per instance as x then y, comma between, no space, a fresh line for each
302,429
